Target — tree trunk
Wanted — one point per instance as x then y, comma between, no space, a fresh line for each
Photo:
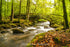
0,10
65,16
19,11
12,12
5,12
28,9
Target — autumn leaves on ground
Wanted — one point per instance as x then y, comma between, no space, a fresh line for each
52,39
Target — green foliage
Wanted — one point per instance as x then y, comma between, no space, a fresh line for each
39,11
55,20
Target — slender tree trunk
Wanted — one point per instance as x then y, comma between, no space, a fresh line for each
0,10
12,12
5,11
28,9
19,11
65,16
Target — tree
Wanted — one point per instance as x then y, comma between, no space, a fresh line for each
12,12
5,13
19,11
65,15
28,9
0,10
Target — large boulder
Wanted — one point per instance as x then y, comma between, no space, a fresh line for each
17,31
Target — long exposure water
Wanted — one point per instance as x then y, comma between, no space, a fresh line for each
21,40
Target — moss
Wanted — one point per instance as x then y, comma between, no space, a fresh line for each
59,28
5,26
28,23
15,21
42,20
55,25
4,22
33,40
40,36
29,45
13,25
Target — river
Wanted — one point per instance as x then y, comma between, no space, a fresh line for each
21,40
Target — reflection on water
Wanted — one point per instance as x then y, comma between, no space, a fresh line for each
21,40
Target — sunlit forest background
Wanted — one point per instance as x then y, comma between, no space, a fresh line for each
38,9
25,16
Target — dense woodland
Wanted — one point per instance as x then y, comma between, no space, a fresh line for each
51,10
21,13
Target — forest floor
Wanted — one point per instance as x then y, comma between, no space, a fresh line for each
52,39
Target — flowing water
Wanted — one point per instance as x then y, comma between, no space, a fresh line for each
21,40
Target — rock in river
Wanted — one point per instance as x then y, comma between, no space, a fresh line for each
17,31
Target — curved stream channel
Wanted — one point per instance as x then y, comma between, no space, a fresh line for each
21,40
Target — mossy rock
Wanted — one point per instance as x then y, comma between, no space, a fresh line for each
59,28
4,22
55,25
17,31
13,25
42,20
26,24
15,21
22,25
5,26
45,26
31,30
67,30
18,24
2,32
30,23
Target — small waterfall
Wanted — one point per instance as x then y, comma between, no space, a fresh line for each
40,28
